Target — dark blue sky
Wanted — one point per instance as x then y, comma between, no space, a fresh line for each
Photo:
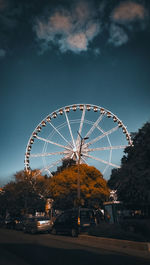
57,53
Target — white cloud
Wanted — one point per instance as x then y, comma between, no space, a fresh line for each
118,36
60,23
127,16
92,30
75,28
69,29
128,11
77,42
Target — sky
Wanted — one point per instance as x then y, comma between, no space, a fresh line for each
58,53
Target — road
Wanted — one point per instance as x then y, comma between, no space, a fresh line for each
17,248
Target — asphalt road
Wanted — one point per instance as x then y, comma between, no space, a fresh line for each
17,248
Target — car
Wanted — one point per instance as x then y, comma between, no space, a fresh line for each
37,224
14,222
9,222
74,221
20,222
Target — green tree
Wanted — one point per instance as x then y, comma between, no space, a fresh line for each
132,180
63,186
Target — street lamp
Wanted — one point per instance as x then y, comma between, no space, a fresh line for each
79,158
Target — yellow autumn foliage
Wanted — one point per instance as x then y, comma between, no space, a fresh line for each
92,185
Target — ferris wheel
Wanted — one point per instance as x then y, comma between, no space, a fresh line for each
86,133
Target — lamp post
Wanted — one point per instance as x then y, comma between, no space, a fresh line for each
79,158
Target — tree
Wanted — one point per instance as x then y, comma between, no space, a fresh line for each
26,194
63,186
38,183
67,162
132,180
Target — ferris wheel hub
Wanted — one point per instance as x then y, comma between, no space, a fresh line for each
75,149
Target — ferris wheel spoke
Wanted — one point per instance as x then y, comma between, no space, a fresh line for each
71,157
94,125
81,125
50,142
107,148
49,154
83,159
60,134
103,135
50,165
101,160
70,129
105,169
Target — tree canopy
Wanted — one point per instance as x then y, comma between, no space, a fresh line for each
93,188
132,180
26,194
29,191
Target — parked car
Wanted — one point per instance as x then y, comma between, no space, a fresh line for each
20,222
9,222
37,224
74,221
